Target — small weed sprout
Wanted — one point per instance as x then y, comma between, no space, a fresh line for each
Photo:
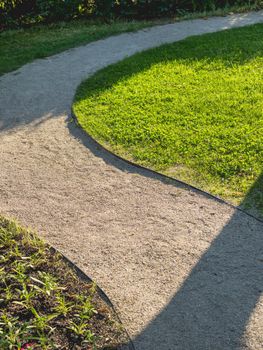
86,308
48,283
41,322
62,306
81,329
26,296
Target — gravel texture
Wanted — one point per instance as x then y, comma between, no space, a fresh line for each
184,271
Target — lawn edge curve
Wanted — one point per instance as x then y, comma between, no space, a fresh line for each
159,174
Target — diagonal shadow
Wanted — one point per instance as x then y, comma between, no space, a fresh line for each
213,306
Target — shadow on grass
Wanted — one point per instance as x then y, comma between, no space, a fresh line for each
253,201
234,46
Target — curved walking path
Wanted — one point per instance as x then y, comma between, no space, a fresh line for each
184,270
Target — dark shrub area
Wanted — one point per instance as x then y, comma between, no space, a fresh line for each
17,13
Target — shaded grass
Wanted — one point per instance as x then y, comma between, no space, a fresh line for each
192,110
18,47
44,303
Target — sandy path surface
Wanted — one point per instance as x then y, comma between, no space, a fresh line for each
184,271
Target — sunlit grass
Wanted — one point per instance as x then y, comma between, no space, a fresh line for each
193,110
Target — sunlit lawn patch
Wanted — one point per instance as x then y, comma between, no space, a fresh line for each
193,110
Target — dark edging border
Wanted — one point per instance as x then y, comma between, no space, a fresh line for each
156,174
85,278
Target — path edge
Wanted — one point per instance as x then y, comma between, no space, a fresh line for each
85,278
159,175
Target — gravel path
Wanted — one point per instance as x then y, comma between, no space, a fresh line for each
183,270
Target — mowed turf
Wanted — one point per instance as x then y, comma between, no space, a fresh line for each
192,110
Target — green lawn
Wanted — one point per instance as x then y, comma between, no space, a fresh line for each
192,110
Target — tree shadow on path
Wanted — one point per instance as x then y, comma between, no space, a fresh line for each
213,306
